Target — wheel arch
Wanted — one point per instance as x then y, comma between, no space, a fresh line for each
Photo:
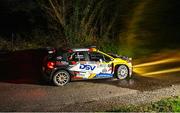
116,67
58,69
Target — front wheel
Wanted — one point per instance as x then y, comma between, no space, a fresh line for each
61,78
122,72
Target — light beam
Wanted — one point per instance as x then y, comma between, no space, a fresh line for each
157,62
163,71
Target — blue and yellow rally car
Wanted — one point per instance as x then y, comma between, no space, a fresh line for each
63,65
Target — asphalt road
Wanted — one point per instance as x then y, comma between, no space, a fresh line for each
36,96
21,89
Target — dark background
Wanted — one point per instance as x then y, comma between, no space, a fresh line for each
130,27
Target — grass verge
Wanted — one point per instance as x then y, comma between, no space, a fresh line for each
165,105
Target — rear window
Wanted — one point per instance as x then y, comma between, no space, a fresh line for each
61,55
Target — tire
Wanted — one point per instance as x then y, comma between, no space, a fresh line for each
122,72
61,78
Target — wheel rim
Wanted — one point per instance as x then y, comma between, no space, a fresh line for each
61,78
122,72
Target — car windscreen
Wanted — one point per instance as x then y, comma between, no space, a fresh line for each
113,55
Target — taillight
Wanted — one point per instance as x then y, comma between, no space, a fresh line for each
73,62
50,65
70,51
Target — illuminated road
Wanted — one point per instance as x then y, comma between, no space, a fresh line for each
21,89
43,97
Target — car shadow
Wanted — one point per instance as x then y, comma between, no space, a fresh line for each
22,67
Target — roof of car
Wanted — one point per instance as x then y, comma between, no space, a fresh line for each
80,49
83,49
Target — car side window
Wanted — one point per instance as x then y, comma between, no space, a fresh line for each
78,56
107,59
95,56
66,56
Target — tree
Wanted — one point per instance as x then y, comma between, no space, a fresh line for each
81,21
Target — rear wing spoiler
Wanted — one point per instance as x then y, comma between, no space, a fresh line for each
51,50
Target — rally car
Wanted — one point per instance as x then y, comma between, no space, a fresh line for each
63,65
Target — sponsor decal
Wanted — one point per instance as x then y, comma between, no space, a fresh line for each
104,70
81,74
61,63
59,57
92,75
110,69
64,62
104,75
87,67
103,65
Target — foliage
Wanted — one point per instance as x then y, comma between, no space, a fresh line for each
164,105
128,27
4,44
95,25
88,22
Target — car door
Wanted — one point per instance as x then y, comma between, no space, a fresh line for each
90,65
80,65
101,65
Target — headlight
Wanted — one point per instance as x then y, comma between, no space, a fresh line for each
130,59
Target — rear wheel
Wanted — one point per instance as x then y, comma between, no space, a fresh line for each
122,72
61,78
